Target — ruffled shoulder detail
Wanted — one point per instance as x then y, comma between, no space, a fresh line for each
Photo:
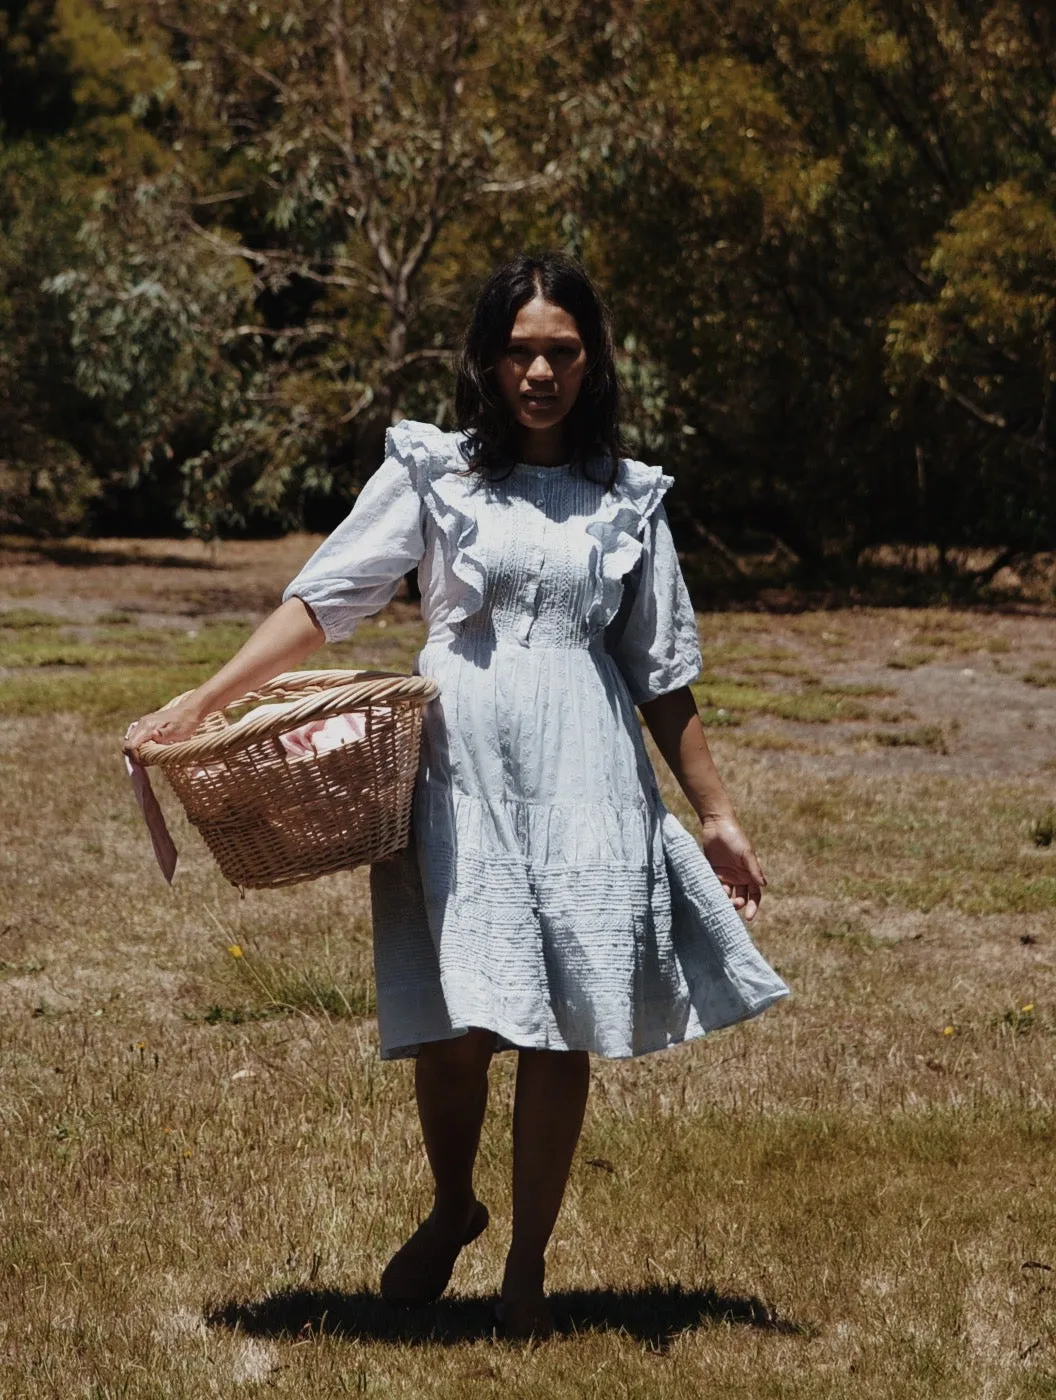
434,459
618,531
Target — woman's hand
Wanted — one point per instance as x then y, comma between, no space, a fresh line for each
730,855
167,726
675,725
281,642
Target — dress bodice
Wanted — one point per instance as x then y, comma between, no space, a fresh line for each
536,557
541,558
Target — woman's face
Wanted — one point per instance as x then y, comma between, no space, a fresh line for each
541,370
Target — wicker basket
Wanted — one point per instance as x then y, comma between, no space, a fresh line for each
273,819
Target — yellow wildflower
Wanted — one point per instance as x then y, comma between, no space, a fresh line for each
1025,1010
235,950
948,1030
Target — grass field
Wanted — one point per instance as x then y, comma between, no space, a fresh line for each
205,1165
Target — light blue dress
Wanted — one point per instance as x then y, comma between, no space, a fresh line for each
547,893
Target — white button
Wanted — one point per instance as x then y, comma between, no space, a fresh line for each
539,500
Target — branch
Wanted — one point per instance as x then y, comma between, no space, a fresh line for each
516,186
995,420
219,198
282,263
413,357
364,401
723,550
346,139
436,212
258,68
316,328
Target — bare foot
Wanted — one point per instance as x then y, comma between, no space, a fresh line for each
525,1319
523,1310
421,1269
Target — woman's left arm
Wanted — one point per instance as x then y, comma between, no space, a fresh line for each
674,723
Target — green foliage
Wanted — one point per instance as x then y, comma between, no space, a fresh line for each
235,241
46,476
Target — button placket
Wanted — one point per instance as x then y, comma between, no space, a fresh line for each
534,578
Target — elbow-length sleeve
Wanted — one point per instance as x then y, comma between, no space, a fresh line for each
653,637
356,570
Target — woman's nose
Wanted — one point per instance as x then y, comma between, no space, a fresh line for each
540,368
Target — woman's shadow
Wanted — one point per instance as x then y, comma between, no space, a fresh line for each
653,1315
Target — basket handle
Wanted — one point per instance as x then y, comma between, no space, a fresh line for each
372,689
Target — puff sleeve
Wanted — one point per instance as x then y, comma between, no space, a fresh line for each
653,638
356,570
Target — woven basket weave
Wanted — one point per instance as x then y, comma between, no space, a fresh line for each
271,818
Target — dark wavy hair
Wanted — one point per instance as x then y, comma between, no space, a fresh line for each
492,433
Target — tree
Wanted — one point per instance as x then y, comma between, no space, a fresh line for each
355,150
803,166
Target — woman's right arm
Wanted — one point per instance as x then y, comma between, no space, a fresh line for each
352,575
280,643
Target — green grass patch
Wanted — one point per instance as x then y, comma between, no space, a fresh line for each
989,892
909,660
20,969
924,736
1041,676
101,697
377,645
961,640
118,645
879,841
117,673
849,933
863,690
283,988
54,651
818,704
27,619
1024,1020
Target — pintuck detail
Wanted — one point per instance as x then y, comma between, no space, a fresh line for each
548,895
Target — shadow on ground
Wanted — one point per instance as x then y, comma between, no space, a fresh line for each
654,1316
74,556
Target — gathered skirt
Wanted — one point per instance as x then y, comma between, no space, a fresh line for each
547,894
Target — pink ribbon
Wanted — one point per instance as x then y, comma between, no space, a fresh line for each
164,846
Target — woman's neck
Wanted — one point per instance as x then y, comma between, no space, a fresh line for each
543,447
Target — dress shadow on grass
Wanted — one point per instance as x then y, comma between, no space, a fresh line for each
652,1315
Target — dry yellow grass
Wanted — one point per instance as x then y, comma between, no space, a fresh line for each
206,1165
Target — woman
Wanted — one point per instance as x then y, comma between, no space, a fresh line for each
548,901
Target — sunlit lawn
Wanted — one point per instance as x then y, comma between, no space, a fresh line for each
206,1165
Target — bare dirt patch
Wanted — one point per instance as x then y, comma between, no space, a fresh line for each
81,578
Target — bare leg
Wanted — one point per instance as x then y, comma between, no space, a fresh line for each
451,1083
547,1117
